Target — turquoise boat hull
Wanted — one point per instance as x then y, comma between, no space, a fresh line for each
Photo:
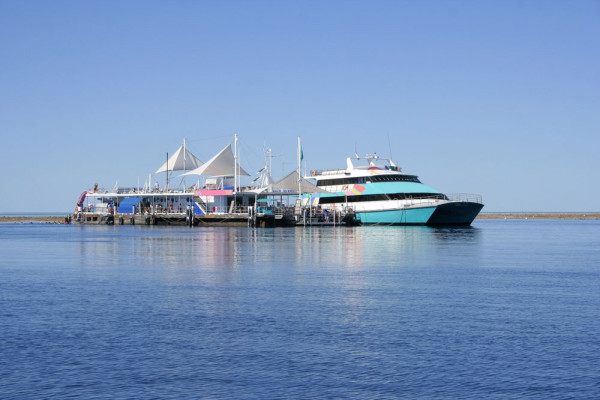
454,213
412,216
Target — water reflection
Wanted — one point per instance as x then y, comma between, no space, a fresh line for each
353,248
237,312
458,234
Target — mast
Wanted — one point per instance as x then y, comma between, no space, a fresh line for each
269,165
235,168
299,167
167,171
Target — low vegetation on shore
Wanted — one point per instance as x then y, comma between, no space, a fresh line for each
539,216
37,218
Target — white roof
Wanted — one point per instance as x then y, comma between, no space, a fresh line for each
222,164
290,182
182,160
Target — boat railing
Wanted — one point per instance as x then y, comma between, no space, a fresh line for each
435,198
227,210
143,191
420,201
326,172
469,197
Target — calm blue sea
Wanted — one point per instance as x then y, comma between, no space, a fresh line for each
505,309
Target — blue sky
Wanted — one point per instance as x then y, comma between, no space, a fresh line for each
497,98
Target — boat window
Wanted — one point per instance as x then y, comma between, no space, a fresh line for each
341,181
394,178
365,179
381,197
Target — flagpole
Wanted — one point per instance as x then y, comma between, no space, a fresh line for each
300,179
235,170
184,162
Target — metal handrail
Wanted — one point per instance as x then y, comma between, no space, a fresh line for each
470,197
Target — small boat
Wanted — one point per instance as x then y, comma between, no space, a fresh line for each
380,193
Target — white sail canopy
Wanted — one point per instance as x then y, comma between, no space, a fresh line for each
267,180
223,164
290,182
182,160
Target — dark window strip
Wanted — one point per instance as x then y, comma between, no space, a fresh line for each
380,197
368,179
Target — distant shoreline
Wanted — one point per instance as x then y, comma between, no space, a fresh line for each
33,218
513,215
532,215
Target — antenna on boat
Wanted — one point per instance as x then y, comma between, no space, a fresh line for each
371,157
390,146
265,177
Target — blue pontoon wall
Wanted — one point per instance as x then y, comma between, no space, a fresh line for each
128,204
197,209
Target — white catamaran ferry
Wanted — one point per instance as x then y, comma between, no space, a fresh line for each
380,193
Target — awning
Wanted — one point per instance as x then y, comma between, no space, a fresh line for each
182,160
223,164
293,182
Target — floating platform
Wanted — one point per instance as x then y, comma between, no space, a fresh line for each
216,219
240,219
205,207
